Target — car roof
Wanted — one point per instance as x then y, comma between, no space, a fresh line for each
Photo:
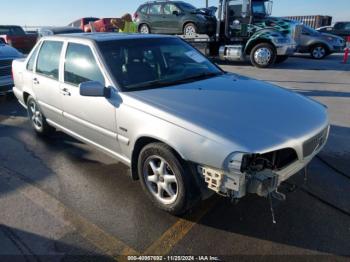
61,29
103,37
163,1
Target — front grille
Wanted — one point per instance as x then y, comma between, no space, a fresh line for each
296,33
5,71
315,143
5,63
5,67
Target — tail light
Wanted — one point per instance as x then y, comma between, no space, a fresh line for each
8,41
136,15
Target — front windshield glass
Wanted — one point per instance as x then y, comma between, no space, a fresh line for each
140,64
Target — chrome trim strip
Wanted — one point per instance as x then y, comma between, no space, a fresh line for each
98,146
92,126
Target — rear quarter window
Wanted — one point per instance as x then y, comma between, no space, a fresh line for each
31,61
49,59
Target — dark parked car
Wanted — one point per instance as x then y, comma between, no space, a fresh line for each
46,31
318,44
340,29
7,55
175,17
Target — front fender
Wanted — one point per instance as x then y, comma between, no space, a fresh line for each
134,124
263,35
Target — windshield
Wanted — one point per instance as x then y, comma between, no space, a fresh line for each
262,8
152,63
309,30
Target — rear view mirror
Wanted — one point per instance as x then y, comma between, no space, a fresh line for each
94,89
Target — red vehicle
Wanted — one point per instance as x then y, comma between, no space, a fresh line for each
17,38
100,25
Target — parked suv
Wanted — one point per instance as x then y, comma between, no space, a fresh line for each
318,44
340,29
175,17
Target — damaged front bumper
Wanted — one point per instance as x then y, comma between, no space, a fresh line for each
247,173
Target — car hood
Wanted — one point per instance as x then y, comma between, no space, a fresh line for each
8,51
326,35
254,115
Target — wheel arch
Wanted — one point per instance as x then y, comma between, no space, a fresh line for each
143,23
312,45
255,42
140,143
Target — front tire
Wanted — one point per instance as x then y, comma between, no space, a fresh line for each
164,178
263,55
318,52
37,118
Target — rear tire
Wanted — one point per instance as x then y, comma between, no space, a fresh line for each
164,178
190,30
37,118
263,55
144,29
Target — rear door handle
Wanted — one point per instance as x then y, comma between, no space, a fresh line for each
36,81
65,92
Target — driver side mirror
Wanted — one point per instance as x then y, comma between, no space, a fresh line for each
94,89
176,13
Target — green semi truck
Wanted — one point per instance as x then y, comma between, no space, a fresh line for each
247,31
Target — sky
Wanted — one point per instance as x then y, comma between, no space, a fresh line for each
62,12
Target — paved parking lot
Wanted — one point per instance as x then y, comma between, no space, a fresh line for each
60,198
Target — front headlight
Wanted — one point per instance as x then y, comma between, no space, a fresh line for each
234,162
282,40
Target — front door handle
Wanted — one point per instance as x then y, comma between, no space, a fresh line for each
36,81
65,92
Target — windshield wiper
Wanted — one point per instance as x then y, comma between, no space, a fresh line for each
162,83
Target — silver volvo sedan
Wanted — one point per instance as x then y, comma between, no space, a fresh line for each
185,127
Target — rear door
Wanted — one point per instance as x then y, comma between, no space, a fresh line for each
91,118
155,13
46,80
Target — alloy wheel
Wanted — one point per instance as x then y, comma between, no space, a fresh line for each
160,180
35,115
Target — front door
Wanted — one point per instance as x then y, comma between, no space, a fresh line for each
237,19
46,80
91,118
171,18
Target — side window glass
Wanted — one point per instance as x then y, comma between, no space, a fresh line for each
347,26
49,59
339,26
81,66
170,8
155,9
31,61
